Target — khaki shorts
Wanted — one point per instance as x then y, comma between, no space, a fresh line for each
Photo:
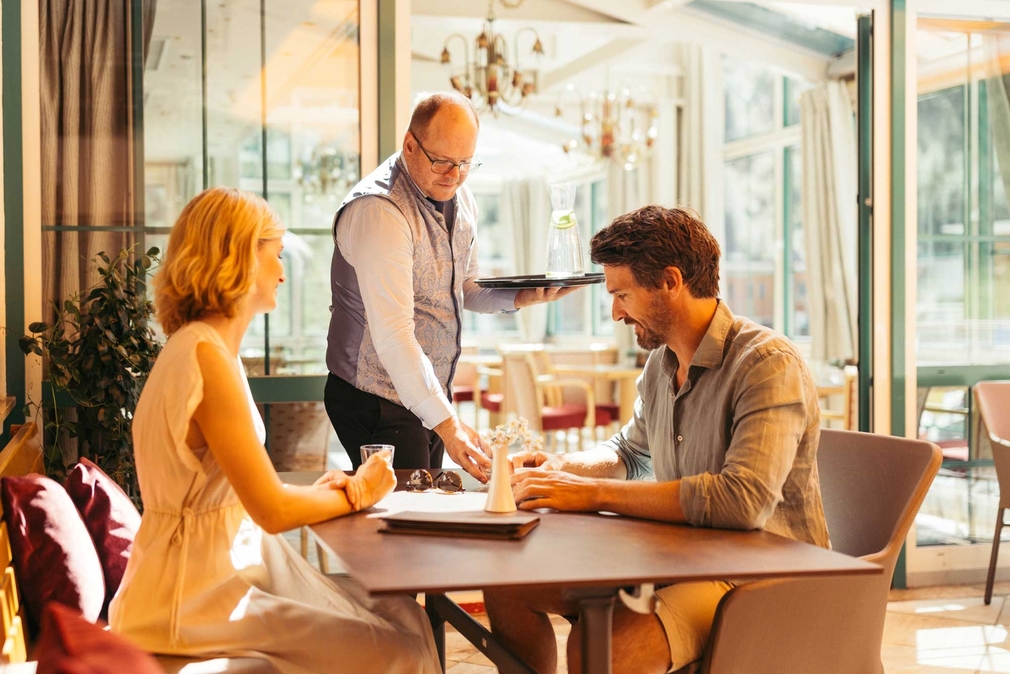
686,611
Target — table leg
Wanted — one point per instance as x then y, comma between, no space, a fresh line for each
437,627
596,614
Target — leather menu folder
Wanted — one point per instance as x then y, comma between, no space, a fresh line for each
470,524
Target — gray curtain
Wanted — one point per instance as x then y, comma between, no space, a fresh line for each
87,137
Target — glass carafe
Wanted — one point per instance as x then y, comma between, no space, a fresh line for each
564,249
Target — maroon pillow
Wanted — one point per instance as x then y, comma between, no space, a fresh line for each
53,554
69,644
110,516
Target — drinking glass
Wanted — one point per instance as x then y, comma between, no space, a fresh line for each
564,249
368,450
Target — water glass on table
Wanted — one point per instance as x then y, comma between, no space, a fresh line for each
368,450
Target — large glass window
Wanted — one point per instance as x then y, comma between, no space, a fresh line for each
764,253
962,316
281,122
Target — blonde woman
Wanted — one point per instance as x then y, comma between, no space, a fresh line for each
209,574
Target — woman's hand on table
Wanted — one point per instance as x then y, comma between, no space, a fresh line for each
353,487
373,480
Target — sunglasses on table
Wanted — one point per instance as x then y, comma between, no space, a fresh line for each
448,481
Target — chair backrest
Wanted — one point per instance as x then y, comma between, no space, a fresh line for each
872,487
522,387
992,399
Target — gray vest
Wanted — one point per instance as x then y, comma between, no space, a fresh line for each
440,266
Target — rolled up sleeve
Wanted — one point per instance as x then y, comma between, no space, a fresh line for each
770,416
632,442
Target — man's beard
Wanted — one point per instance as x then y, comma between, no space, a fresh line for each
661,321
649,340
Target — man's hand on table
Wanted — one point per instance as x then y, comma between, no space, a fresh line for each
541,460
555,489
465,447
530,296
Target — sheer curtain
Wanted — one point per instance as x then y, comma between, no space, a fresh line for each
526,205
87,137
699,170
995,45
830,219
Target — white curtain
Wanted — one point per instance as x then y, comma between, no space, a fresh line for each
830,220
699,171
995,46
526,205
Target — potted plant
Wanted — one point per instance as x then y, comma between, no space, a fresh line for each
98,351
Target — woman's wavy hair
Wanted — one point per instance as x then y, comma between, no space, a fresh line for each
210,264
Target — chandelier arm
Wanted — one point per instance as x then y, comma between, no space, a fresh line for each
466,58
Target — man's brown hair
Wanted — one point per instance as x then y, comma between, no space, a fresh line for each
653,238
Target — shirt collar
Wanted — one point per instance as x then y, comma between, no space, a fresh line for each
712,349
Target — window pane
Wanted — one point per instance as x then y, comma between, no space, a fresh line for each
748,253
749,91
941,162
800,324
940,308
794,89
494,248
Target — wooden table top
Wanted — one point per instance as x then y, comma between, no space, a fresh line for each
570,549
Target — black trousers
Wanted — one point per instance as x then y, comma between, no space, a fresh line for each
364,419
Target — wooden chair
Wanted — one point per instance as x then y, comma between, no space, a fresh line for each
847,411
533,396
872,487
993,401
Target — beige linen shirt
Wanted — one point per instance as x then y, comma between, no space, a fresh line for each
741,434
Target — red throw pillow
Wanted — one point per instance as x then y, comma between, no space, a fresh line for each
69,644
110,516
53,554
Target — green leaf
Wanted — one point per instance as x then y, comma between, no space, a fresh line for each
37,326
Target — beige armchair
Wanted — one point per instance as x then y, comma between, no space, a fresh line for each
540,398
872,487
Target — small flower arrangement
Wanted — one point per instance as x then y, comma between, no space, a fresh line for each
503,435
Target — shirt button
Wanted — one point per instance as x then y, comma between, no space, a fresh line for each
680,438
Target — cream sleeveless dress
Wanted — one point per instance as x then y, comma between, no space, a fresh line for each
204,580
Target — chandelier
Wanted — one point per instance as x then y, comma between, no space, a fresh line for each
614,125
490,78
326,171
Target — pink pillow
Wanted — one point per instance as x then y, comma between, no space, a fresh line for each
54,557
69,644
110,516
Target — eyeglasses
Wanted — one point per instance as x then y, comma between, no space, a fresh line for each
443,166
448,481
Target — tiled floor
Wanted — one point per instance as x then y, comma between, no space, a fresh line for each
937,630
